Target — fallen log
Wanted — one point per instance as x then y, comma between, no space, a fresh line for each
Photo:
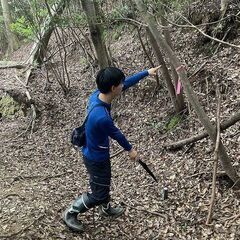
10,64
226,124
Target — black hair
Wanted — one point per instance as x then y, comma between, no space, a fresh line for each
108,77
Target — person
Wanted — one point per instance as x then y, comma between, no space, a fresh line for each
96,156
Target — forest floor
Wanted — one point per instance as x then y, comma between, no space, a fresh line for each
41,173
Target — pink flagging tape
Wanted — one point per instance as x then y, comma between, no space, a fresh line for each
178,90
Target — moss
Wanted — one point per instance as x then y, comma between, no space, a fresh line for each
173,122
83,61
9,108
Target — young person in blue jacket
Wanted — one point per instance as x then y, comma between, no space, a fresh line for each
99,127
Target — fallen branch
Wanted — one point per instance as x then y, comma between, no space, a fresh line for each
232,218
117,153
236,184
147,211
219,174
226,124
18,65
195,175
11,195
125,234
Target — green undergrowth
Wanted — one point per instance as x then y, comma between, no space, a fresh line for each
166,125
9,108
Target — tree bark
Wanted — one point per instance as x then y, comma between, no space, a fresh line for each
179,97
164,70
12,39
147,54
92,13
224,5
215,165
11,64
225,160
226,124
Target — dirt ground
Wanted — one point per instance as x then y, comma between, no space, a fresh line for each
41,173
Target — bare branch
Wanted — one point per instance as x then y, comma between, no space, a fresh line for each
210,211
198,29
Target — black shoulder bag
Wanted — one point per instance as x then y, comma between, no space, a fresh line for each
78,136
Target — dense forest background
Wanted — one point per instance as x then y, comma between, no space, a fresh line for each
184,122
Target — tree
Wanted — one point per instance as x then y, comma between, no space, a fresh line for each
41,42
91,9
12,39
179,98
224,5
164,69
225,159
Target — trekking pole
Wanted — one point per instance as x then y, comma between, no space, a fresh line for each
165,188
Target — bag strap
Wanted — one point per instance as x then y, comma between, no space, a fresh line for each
97,105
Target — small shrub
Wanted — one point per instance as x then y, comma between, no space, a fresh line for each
22,28
9,108
173,122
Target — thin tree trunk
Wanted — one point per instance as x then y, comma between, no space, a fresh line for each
46,32
92,13
147,54
179,97
165,72
12,39
224,5
215,165
38,50
225,160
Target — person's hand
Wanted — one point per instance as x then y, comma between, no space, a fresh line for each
133,154
153,71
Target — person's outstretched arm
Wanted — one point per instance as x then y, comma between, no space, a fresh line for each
134,79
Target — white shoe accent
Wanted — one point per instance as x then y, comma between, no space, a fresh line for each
84,203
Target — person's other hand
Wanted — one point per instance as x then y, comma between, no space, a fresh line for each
153,71
133,154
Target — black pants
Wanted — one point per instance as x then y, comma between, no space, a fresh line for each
100,181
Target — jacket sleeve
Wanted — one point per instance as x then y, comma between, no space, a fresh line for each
112,131
134,79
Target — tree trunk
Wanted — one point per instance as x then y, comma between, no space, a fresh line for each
164,70
224,5
179,97
225,160
39,48
92,13
12,39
